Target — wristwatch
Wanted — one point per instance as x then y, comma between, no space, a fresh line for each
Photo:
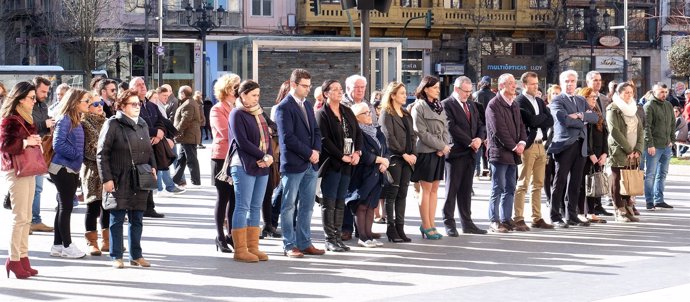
266,158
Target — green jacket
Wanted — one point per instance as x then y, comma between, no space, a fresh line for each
660,126
618,144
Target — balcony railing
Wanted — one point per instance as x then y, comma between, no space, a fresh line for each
446,18
232,20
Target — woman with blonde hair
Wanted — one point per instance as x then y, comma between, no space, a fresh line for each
17,133
396,124
68,144
224,91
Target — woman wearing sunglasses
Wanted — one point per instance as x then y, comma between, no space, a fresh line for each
91,182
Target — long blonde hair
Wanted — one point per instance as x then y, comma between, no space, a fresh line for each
386,102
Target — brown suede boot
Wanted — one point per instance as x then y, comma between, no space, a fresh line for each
253,243
92,243
105,244
239,237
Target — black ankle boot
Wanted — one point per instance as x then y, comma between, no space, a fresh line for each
222,246
392,234
401,233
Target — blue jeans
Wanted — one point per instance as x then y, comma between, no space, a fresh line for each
503,182
136,226
164,178
305,183
656,168
36,205
249,195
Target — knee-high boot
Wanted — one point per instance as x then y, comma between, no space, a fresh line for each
338,223
391,231
328,221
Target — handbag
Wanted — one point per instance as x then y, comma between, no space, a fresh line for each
142,174
47,145
30,162
632,179
223,174
596,183
109,202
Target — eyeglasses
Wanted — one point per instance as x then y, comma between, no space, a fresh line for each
305,86
365,112
33,97
135,104
466,91
113,90
97,104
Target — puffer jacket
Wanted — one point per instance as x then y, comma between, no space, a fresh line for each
68,143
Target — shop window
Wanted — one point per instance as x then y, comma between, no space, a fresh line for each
262,8
530,49
581,66
497,48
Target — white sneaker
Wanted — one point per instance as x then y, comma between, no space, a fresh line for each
164,193
72,252
377,243
56,250
368,243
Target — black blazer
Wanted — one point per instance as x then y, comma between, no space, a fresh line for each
393,129
461,130
332,138
534,122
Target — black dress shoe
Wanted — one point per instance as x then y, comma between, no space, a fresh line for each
663,205
473,230
578,222
153,214
452,232
599,210
560,224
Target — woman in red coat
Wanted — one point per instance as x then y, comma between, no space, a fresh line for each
17,132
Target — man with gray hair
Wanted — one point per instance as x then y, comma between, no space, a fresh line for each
467,132
659,135
355,90
570,115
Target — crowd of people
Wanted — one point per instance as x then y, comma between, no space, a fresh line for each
352,156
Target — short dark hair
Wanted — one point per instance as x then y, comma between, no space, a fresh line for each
326,87
528,75
104,83
123,86
246,86
39,80
622,87
427,81
162,89
299,74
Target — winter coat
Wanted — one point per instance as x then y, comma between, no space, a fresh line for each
220,115
90,181
431,128
367,182
333,139
660,124
188,121
12,136
618,144
115,162
504,130
68,144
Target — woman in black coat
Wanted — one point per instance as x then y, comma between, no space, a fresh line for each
114,159
341,144
597,152
368,178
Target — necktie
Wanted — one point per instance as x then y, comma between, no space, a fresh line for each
467,110
304,111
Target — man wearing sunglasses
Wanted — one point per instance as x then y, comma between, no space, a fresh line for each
107,89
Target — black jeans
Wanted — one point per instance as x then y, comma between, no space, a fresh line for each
225,202
66,184
187,158
396,193
93,211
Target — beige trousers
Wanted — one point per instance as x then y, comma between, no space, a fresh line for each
21,191
531,171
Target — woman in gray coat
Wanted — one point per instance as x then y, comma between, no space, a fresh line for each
114,160
431,125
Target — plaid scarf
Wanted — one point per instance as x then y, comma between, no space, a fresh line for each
257,112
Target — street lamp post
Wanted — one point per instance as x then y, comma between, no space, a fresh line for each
204,16
592,29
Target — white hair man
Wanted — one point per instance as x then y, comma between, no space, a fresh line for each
355,90
570,115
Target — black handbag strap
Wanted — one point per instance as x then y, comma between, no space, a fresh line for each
131,156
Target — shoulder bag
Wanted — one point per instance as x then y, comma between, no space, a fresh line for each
142,174
30,162
632,179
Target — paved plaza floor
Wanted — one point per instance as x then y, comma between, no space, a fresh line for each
646,261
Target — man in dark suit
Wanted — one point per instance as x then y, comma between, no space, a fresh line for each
300,145
538,120
570,116
467,132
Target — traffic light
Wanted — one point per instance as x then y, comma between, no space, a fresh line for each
429,19
314,7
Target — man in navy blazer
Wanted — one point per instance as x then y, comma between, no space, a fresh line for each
570,116
300,144
468,132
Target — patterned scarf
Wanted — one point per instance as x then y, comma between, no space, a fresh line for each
257,112
25,114
600,122
370,130
435,106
